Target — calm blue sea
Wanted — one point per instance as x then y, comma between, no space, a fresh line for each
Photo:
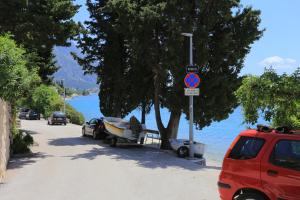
217,137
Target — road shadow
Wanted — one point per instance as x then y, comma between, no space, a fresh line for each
144,156
72,141
19,161
213,167
28,132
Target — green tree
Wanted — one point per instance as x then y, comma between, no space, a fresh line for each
139,54
45,100
116,92
74,116
39,26
16,80
277,97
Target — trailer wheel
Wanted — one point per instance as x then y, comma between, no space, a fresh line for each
183,152
113,142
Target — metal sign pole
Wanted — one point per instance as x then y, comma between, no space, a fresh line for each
191,91
191,110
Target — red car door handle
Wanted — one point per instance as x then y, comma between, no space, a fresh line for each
272,173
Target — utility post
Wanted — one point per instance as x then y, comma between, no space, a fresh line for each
62,83
191,110
64,100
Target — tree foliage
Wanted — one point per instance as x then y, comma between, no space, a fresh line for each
74,116
16,80
45,100
139,54
277,97
39,26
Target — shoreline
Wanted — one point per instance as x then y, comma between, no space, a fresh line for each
77,95
217,137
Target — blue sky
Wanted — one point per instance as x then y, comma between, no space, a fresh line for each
280,45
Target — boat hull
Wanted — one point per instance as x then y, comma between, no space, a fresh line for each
120,128
114,130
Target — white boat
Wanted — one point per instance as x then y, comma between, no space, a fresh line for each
182,146
120,128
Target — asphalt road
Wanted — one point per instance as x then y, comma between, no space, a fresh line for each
66,166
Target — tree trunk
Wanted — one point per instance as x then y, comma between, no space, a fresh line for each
143,117
174,124
159,123
172,128
171,131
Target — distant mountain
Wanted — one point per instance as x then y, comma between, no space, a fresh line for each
70,71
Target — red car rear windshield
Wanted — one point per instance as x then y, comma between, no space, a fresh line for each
246,148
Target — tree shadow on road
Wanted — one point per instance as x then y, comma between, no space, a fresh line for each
213,167
29,132
144,156
72,141
19,161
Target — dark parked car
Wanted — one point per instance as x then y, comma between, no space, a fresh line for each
23,113
95,127
33,115
57,118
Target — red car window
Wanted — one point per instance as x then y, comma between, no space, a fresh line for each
286,154
246,148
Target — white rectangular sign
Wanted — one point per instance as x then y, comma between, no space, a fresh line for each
191,91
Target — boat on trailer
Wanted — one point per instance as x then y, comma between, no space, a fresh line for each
121,129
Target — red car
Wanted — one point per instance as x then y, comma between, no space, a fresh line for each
262,164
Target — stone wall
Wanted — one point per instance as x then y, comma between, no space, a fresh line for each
4,137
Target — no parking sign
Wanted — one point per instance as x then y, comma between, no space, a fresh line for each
192,80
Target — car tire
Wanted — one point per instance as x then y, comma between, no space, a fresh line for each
49,123
113,142
83,132
183,152
95,135
249,196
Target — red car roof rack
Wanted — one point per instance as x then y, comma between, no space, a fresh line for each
281,129
264,128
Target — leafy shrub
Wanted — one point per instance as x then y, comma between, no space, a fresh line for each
74,116
275,96
16,80
21,142
45,100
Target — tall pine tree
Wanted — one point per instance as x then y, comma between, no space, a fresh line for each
150,46
39,25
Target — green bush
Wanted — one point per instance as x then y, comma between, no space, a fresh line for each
21,142
45,100
16,80
274,96
74,116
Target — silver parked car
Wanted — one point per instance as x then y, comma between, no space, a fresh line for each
94,127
